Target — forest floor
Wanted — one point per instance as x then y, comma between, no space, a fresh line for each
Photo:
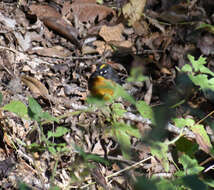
54,135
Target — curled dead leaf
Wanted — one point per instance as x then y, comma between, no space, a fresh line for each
36,87
86,12
43,11
60,26
53,20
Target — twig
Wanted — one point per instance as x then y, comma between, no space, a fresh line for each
209,168
119,172
11,49
138,118
165,175
128,168
205,117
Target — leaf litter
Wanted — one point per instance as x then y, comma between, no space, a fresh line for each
43,45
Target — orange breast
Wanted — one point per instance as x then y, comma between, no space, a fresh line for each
102,87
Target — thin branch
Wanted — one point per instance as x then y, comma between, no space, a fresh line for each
128,168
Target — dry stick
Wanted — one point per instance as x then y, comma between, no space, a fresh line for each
128,168
121,171
138,118
205,117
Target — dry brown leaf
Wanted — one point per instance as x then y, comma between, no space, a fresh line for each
202,144
56,51
43,11
88,50
62,27
202,138
112,33
89,11
141,28
7,140
133,10
36,87
122,44
166,71
101,46
53,20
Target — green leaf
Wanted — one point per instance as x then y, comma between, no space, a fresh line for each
193,182
54,188
99,1
186,68
209,182
23,186
136,75
145,110
46,116
52,150
35,147
202,138
145,183
200,80
120,92
160,150
186,146
36,113
207,27
60,131
118,109
120,132
34,106
35,110
198,65
190,165
127,129
96,159
165,184
18,108
181,122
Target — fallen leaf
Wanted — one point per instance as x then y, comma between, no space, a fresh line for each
43,11
133,10
86,12
24,41
141,28
101,46
175,14
122,44
202,138
56,51
112,33
205,44
62,27
53,20
36,87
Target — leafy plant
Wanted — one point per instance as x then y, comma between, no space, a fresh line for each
199,74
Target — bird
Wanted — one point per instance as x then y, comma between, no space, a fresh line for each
102,82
